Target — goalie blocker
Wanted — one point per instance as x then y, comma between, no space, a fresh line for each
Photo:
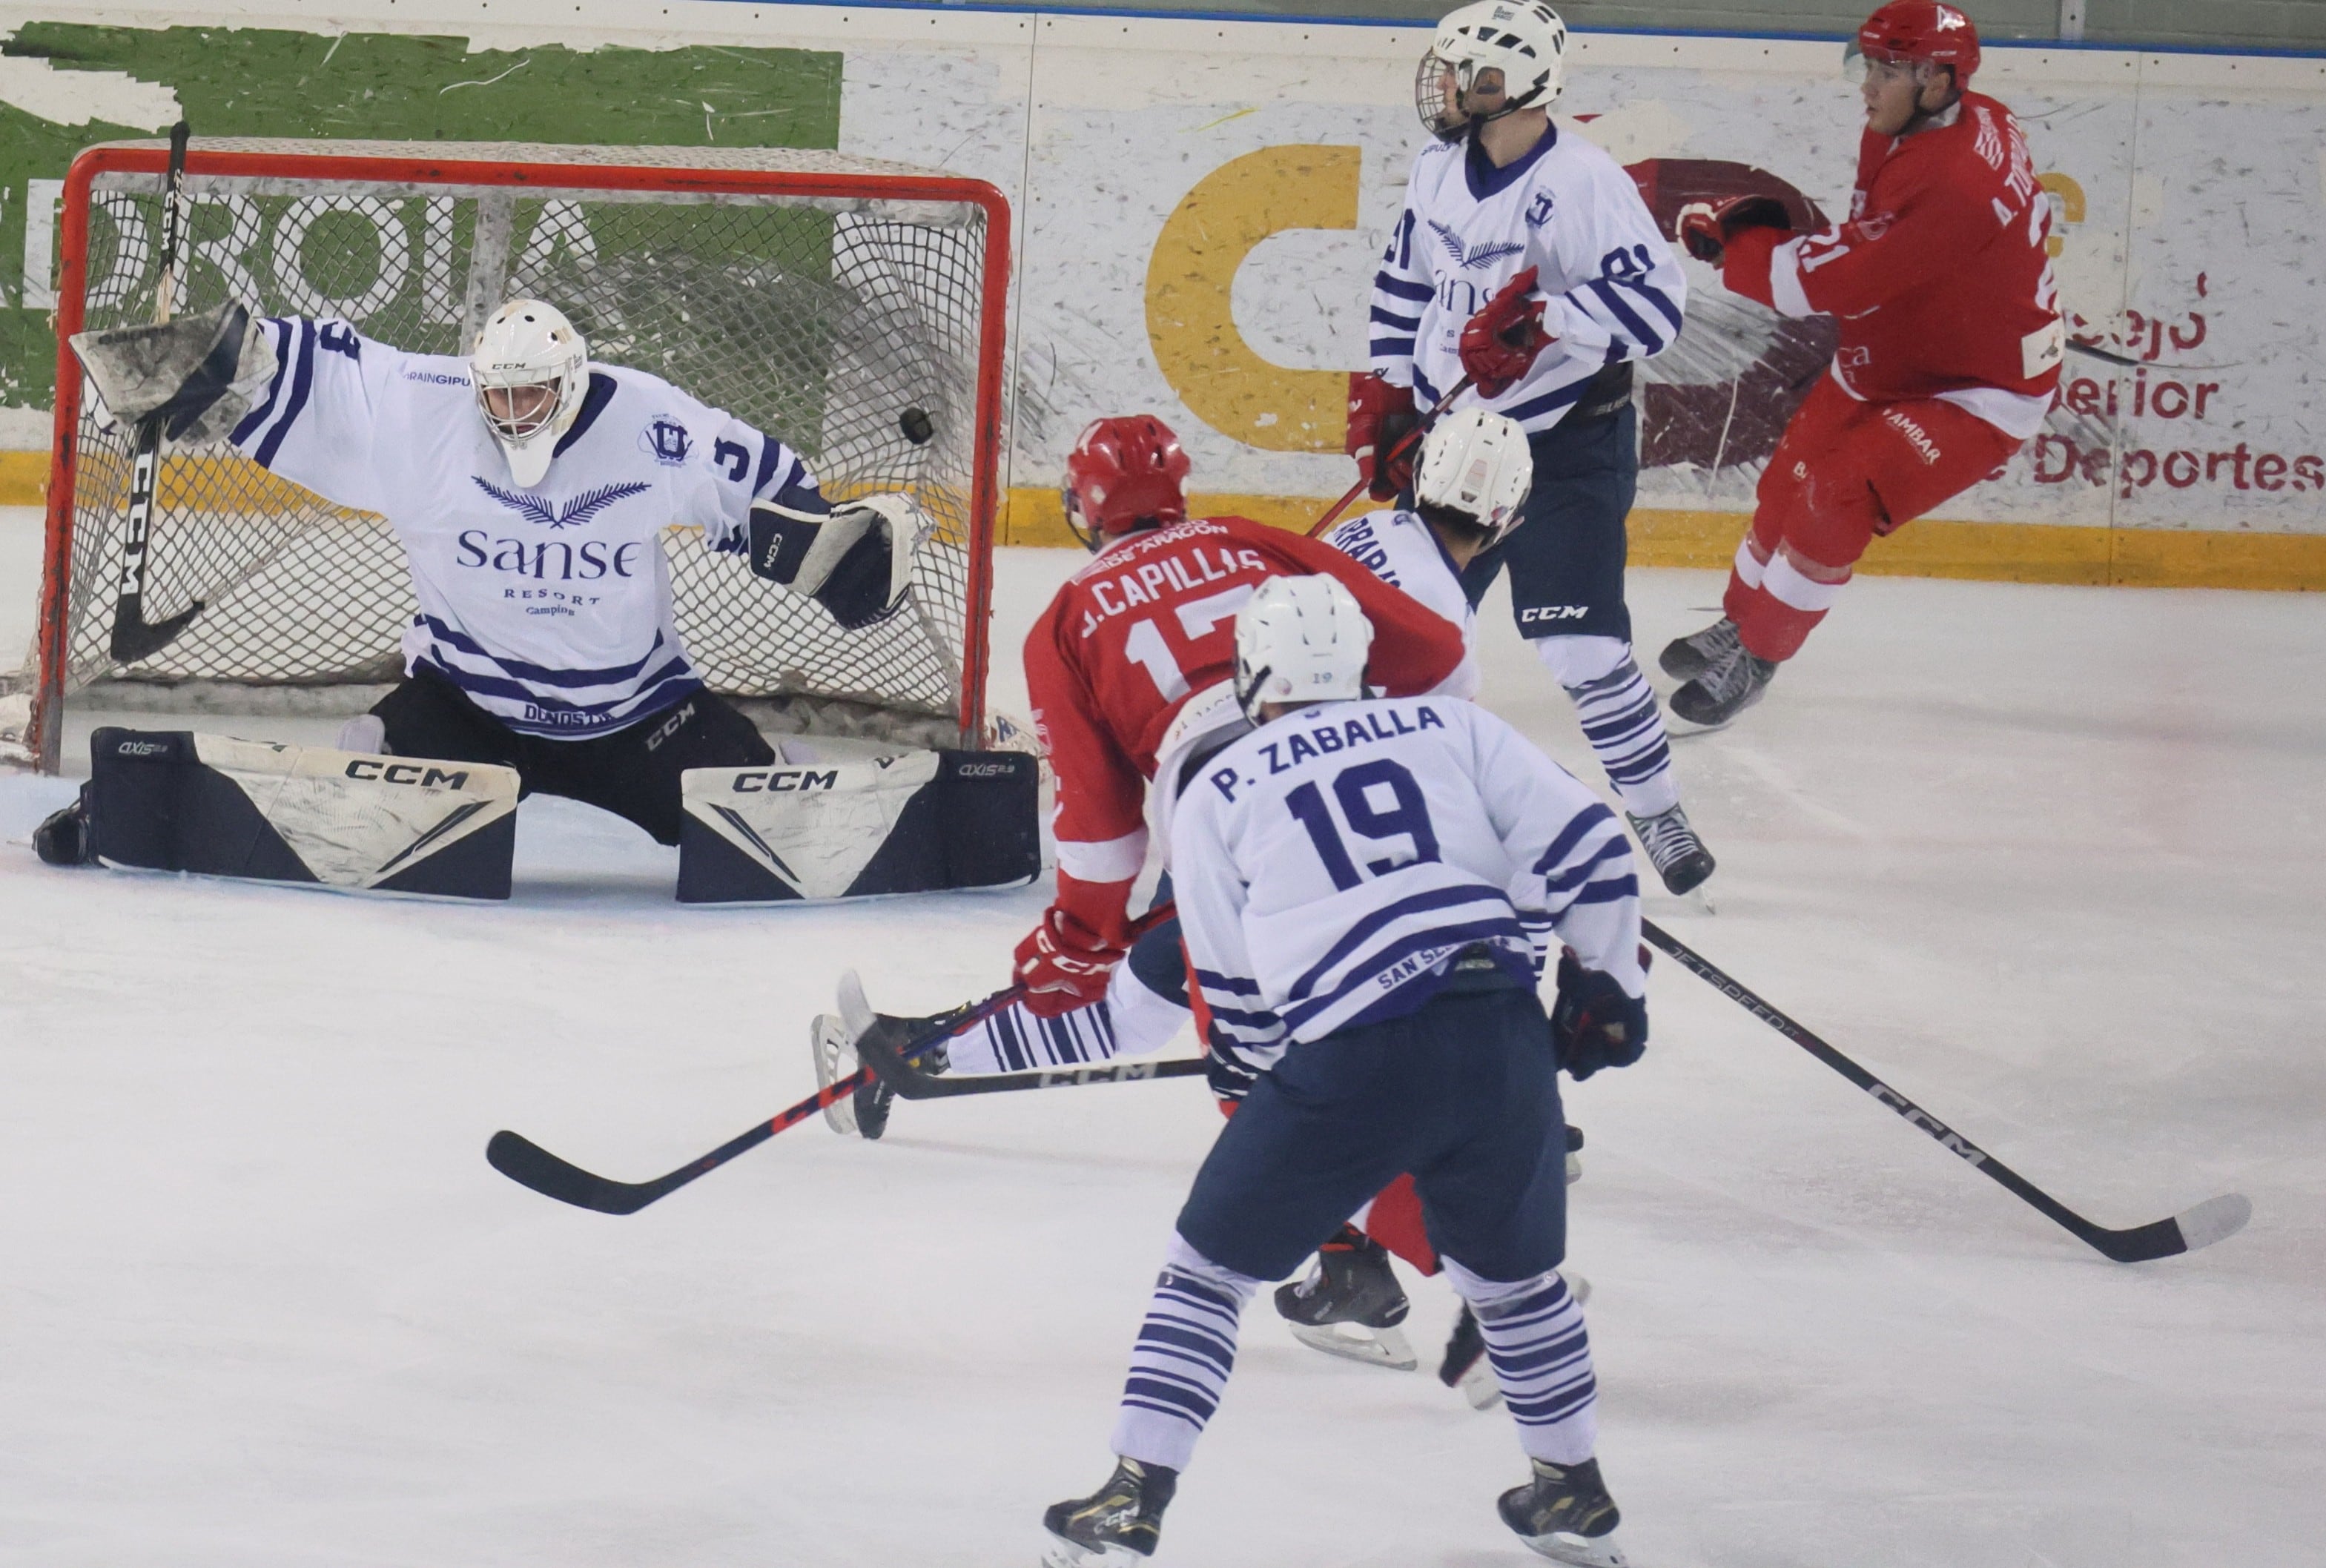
176,801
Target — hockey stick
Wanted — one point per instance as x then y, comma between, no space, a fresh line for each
133,637
528,1165
1405,443
2214,1220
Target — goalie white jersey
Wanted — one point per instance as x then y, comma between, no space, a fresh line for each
1613,288
550,605
1329,865
1402,550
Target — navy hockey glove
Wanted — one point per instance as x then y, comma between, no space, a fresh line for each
1593,1022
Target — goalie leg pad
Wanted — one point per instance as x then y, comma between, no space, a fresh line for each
197,375
925,821
176,801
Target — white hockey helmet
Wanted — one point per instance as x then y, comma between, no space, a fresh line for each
1523,39
1476,462
1300,640
528,344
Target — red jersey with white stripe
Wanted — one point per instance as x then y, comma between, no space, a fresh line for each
1152,622
1941,282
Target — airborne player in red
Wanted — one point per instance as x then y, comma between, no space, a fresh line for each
1130,675
1951,340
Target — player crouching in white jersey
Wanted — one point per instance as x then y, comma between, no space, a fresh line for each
1365,887
530,489
1526,267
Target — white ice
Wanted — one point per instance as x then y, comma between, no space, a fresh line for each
2046,859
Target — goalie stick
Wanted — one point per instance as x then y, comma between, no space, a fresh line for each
133,637
1421,427
2214,1220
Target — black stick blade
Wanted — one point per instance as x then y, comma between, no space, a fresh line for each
528,1165
136,638
2214,1220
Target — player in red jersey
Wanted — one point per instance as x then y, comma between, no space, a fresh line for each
1950,340
1130,675
1130,672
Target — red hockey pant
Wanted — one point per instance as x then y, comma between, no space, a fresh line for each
1844,472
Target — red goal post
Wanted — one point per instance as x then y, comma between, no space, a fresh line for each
857,309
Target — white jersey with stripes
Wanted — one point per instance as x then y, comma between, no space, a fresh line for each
1404,552
1612,287
548,605
1331,865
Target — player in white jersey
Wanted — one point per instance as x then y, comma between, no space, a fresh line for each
1525,262
530,489
1473,478
1367,888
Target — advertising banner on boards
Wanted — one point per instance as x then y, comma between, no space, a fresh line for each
1200,205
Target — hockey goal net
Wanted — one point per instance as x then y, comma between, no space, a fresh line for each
853,308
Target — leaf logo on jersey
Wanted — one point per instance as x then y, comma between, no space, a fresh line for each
572,513
1484,254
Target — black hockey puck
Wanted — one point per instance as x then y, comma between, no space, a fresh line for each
915,423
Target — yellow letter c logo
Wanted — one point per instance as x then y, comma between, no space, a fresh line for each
1192,275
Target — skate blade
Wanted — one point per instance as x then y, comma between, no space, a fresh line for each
1561,1547
1479,1386
835,1058
855,1012
1057,1552
1353,1342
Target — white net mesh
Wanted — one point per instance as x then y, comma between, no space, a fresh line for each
823,315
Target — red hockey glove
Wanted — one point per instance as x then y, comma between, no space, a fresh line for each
1706,228
1065,962
1499,344
1381,416
1594,1022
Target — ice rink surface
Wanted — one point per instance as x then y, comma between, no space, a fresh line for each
2046,859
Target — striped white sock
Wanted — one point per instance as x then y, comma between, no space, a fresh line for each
1626,730
1541,1357
1014,1040
1185,1351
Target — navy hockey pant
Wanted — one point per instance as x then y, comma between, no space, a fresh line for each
1463,1093
1566,559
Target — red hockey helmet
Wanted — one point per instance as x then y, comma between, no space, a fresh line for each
1926,30
1124,475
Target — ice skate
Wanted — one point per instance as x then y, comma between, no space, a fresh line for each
1677,855
832,1039
1114,1526
1565,1513
1686,658
1464,1366
1350,1304
1723,690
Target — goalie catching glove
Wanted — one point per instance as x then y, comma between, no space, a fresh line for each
856,560
198,375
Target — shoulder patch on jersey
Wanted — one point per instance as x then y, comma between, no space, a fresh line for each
1539,209
572,513
667,441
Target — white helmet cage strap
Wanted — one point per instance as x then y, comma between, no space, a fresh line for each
1476,462
1523,39
526,343
1300,640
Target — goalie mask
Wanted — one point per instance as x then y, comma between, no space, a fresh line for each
1476,465
1524,40
531,369
1300,640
